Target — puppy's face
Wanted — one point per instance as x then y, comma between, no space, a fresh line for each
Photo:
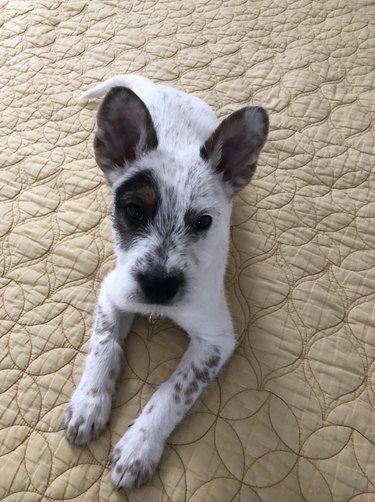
168,221
171,211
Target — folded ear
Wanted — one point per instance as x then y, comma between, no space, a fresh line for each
124,131
234,147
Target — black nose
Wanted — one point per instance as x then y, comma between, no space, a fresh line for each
159,288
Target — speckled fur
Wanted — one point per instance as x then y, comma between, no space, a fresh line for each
187,184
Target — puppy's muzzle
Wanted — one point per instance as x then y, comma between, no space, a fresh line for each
158,287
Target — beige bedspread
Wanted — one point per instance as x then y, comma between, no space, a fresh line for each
291,418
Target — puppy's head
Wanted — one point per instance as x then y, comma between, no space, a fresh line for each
172,209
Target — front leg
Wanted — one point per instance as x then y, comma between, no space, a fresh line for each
90,406
136,455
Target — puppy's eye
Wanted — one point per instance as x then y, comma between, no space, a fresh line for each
134,213
203,222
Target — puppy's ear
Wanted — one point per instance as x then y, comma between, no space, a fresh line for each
234,147
124,131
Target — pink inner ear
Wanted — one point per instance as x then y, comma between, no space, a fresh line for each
124,122
234,147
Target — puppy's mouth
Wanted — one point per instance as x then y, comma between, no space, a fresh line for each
159,288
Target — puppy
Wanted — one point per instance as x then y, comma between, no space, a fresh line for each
173,169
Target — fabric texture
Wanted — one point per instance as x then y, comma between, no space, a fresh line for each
291,417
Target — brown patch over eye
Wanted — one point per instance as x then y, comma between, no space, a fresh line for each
141,188
136,203
148,195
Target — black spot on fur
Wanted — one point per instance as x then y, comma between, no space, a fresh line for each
201,374
119,468
192,388
213,361
149,409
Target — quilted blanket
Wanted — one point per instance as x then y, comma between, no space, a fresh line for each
291,417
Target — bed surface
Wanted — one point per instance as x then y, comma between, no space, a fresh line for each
291,417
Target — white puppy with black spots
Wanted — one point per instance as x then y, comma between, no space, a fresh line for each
173,169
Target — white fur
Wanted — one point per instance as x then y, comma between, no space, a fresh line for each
183,120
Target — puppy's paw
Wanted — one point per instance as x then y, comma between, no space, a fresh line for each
135,458
87,415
